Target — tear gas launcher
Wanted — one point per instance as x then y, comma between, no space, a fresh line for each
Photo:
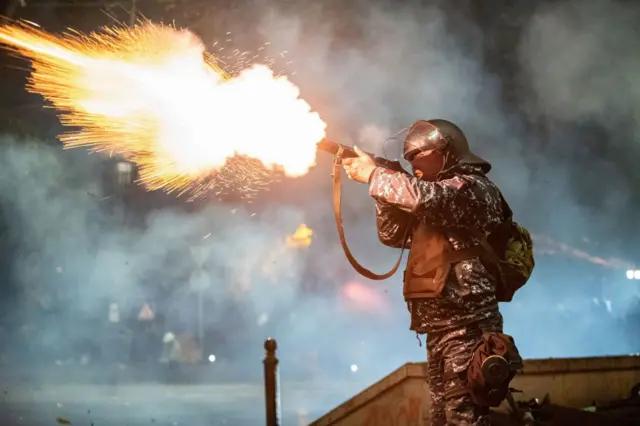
339,153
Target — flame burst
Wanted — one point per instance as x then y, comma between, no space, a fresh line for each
300,238
152,94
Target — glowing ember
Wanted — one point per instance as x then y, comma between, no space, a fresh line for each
300,238
152,94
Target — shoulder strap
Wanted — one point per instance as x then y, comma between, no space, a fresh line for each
488,250
337,211
507,216
506,210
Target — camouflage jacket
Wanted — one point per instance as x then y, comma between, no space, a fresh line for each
464,198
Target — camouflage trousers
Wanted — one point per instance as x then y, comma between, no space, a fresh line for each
449,354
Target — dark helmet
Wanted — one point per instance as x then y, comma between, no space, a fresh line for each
427,135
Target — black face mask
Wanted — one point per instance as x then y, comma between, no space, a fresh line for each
428,166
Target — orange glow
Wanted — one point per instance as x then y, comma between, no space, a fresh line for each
300,238
364,298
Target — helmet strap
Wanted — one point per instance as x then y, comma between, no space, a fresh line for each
446,159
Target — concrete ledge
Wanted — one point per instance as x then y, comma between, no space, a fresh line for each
574,382
574,365
410,370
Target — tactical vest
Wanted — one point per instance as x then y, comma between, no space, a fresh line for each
429,263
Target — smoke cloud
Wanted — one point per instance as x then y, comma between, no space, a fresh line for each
581,62
579,75
370,71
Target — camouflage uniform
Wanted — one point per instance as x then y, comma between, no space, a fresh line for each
463,198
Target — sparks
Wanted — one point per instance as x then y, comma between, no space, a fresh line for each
153,95
546,245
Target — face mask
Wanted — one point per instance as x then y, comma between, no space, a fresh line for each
427,165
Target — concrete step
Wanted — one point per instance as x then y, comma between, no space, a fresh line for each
402,398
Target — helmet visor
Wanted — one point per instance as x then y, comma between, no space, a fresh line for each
421,136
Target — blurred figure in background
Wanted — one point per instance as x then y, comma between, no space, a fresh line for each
171,356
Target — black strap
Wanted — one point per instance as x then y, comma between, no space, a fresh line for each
506,209
479,235
337,211
492,257
489,251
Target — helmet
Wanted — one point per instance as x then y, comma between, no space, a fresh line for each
428,135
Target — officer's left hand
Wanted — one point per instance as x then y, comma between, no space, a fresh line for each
359,168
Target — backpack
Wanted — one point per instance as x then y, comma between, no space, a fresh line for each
509,249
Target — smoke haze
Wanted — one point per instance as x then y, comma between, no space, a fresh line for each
369,70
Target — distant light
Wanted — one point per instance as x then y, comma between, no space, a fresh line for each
212,358
124,172
354,368
124,167
633,274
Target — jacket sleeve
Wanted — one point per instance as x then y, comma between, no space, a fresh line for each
436,203
393,225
